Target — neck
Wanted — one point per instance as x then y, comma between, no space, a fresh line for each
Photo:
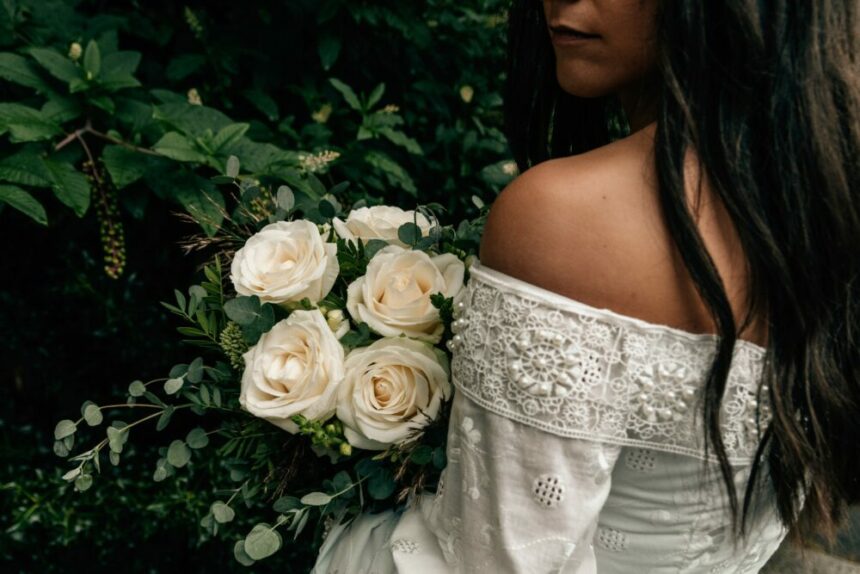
639,105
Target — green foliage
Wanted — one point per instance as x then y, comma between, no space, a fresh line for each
158,98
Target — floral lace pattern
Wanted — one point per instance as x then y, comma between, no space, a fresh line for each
576,371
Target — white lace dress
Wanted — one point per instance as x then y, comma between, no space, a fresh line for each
574,446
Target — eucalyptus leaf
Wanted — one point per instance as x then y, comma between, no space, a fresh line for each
72,474
243,310
84,482
409,233
240,554
197,438
422,454
380,485
285,198
178,453
64,428
262,541
233,164
195,370
316,499
172,386
222,512
60,449
136,389
116,439
93,415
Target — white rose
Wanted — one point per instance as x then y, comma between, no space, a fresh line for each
391,387
379,222
295,368
393,296
285,261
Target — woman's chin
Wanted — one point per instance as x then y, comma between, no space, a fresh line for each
582,84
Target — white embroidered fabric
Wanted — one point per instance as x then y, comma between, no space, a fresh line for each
574,446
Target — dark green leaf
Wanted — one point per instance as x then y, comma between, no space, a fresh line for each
58,65
401,139
23,202
326,209
205,205
439,458
184,65
375,95
164,419
24,168
122,62
263,102
92,59
69,185
176,146
124,165
380,485
227,136
19,70
347,93
328,49
25,124
422,454
286,503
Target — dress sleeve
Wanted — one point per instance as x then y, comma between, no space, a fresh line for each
517,499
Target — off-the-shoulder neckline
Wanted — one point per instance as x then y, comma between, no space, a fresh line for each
521,285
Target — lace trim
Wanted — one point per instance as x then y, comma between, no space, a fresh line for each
557,364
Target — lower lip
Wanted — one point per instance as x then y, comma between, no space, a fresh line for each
571,40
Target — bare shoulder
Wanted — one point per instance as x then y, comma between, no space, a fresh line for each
589,227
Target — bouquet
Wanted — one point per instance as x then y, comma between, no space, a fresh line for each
323,381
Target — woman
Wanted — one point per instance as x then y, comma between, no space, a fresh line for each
659,368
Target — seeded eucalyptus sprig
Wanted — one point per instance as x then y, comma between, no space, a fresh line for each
188,382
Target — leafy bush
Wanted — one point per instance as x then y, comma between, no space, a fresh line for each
113,116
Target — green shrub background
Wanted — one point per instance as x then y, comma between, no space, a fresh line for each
408,93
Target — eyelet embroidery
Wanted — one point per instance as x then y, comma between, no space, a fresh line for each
611,539
576,373
405,545
640,460
548,490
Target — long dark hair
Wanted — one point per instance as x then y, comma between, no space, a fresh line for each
768,95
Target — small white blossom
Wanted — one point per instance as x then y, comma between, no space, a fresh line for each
194,97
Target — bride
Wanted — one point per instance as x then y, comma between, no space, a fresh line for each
658,360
